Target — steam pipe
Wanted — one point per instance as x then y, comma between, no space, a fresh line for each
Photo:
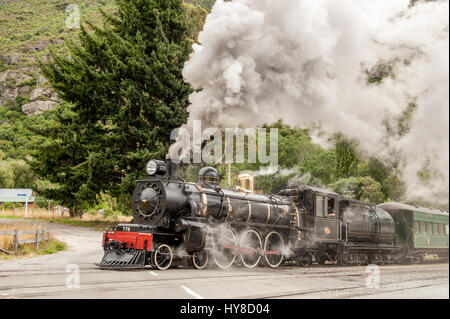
193,206
183,224
173,169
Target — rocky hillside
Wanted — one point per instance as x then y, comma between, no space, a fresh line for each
28,30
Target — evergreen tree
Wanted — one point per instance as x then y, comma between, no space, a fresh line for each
125,95
346,158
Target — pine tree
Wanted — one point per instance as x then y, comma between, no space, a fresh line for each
346,158
125,94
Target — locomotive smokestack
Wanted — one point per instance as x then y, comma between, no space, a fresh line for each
173,169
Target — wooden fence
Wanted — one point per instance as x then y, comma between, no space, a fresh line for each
39,236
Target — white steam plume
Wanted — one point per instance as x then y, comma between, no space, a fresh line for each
306,62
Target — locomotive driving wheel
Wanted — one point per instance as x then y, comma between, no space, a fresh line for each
305,260
250,248
224,248
200,259
162,256
273,249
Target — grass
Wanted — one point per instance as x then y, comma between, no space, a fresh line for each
26,250
26,22
97,222
10,217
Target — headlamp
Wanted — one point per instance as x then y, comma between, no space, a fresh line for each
155,167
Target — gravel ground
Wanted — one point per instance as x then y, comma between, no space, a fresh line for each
53,276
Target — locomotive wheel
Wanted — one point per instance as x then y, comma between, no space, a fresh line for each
224,248
250,248
365,260
322,260
200,259
374,260
341,260
163,256
273,246
305,260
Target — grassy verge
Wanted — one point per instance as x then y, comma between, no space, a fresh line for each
29,250
94,224
97,222
10,217
26,250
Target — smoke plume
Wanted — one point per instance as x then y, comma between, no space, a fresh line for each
349,66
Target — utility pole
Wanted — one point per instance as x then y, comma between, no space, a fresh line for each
26,206
229,175
49,209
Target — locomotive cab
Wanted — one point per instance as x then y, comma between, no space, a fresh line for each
321,217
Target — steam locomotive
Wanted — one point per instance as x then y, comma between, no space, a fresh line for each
177,222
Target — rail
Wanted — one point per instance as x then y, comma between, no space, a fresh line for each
39,236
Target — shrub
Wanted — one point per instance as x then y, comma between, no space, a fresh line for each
111,213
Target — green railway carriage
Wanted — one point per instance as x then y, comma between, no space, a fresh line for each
420,230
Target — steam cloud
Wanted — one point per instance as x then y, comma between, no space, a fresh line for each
307,62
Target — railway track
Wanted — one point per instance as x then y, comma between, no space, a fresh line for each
363,291
345,283
45,277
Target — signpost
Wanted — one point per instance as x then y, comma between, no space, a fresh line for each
17,195
26,206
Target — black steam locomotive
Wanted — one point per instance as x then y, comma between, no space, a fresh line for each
175,222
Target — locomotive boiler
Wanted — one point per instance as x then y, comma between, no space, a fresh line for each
196,220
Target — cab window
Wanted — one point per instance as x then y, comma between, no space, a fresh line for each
309,203
320,206
331,208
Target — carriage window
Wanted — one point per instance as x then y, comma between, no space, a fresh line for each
423,228
320,206
417,226
446,229
435,228
429,230
441,229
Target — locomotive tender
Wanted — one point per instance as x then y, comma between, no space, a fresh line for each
175,221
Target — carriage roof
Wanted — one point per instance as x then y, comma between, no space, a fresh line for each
415,208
